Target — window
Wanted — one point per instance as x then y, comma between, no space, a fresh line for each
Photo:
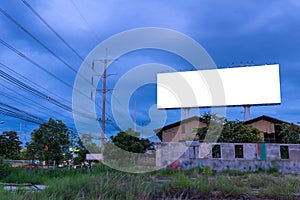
216,151
239,151
194,152
269,137
284,152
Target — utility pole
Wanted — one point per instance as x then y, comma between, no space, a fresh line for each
103,106
104,91
20,128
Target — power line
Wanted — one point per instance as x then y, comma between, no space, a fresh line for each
13,98
15,112
38,93
29,102
39,66
84,19
52,29
40,42
36,39
32,90
33,62
33,84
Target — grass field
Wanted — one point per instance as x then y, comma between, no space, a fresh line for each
102,182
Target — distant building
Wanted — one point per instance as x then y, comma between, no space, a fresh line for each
268,126
185,129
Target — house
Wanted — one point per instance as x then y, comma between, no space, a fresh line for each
268,126
185,129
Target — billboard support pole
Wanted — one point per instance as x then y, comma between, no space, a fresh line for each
246,112
186,113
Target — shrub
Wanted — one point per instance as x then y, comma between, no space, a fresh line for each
5,169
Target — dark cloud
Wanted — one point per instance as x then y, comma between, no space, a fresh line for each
233,32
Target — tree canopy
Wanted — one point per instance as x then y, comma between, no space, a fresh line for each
49,142
129,141
10,145
222,130
124,148
289,133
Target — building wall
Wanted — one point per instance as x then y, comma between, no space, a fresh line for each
183,132
264,126
184,157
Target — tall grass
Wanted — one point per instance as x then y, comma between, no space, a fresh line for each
102,182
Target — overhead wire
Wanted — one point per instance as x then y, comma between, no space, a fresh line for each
84,19
33,84
25,100
34,91
38,107
52,29
32,61
41,43
55,32
41,67
13,111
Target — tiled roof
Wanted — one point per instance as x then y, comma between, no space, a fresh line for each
266,118
160,130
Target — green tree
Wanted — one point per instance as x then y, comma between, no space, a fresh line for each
83,146
289,134
221,130
49,142
89,144
129,141
124,148
214,127
236,131
10,145
81,152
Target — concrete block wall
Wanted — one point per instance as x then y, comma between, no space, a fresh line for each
294,151
273,151
251,160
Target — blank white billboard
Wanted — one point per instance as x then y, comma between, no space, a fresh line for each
253,85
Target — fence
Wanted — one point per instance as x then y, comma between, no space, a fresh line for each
233,156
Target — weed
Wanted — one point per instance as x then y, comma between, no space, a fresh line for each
208,171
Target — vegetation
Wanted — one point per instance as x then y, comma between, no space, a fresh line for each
49,142
289,134
88,143
5,169
228,131
10,145
101,182
123,152
130,141
54,143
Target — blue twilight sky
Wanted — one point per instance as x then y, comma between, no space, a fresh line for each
38,69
